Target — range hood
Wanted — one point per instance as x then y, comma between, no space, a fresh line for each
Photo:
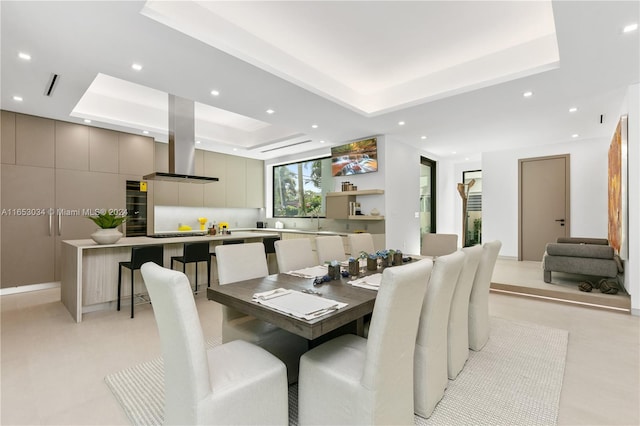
182,148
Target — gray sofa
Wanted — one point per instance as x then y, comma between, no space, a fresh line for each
586,256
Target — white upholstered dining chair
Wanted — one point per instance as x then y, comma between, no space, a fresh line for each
330,248
479,299
293,254
233,383
242,262
458,329
438,244
430,363
353,380
359,243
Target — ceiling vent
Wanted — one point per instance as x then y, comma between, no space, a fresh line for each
51,84
286,146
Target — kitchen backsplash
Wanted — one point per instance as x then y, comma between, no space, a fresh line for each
168,218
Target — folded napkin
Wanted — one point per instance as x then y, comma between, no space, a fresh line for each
312,272
271,294
371,282
300,305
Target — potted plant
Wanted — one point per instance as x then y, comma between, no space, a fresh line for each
107,222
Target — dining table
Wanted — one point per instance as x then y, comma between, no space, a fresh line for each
239,296
359,302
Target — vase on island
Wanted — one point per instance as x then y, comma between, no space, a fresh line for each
106,236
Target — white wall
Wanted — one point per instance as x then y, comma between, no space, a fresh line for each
588,174
632,266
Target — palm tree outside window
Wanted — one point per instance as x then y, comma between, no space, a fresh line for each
299,189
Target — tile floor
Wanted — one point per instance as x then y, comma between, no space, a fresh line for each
52,369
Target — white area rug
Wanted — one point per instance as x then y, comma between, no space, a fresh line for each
516,380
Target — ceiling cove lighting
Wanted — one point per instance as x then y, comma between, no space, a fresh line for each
270,111
573,109
17,98
527,94
215,93
24,56
630,27
136,67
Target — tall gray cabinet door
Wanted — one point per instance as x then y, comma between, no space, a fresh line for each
27,228
236,181
35,138
77,193
255,183
215,193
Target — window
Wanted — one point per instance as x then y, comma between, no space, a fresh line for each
299,188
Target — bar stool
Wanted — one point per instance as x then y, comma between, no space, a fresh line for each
139,256
212,255
270,251
194,253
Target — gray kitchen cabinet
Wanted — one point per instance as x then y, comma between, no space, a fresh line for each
236,182
28,226
72,146
135,154
103,150
190,194
8,137
35,141
165,193
255,183
215,193
78,195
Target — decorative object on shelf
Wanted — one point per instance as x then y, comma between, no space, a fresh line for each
375,212
224,228
212,228
107,223
203,221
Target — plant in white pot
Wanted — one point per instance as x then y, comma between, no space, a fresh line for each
107,223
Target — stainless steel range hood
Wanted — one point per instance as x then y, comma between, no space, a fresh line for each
182,148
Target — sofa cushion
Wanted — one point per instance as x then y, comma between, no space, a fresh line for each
580,250
581,240
576,265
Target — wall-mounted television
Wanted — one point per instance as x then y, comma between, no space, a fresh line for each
355,158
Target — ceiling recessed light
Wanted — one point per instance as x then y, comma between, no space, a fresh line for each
573,109
86,120
575,135
423,137
314,126
136,67
466,158
630,27
17,98
527,94
235,149
197,141
453,152
321,141
215,93
400,123
146,132
270,111
24,56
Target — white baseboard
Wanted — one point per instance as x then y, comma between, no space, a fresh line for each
28,288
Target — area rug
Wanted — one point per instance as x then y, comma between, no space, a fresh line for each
515,379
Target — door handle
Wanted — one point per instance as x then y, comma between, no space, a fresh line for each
561,221
50,225
59,225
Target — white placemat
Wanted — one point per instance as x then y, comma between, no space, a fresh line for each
312,272
298,304
372,282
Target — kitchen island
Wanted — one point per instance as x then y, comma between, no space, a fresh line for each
90,271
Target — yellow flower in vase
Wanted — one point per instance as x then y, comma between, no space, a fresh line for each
203,221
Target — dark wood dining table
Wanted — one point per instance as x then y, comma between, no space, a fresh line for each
239,295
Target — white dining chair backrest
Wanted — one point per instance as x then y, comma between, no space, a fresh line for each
294,254
359,243
196,384
430,364
330,248
438,244
238,262
458,330
353,380
479,298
